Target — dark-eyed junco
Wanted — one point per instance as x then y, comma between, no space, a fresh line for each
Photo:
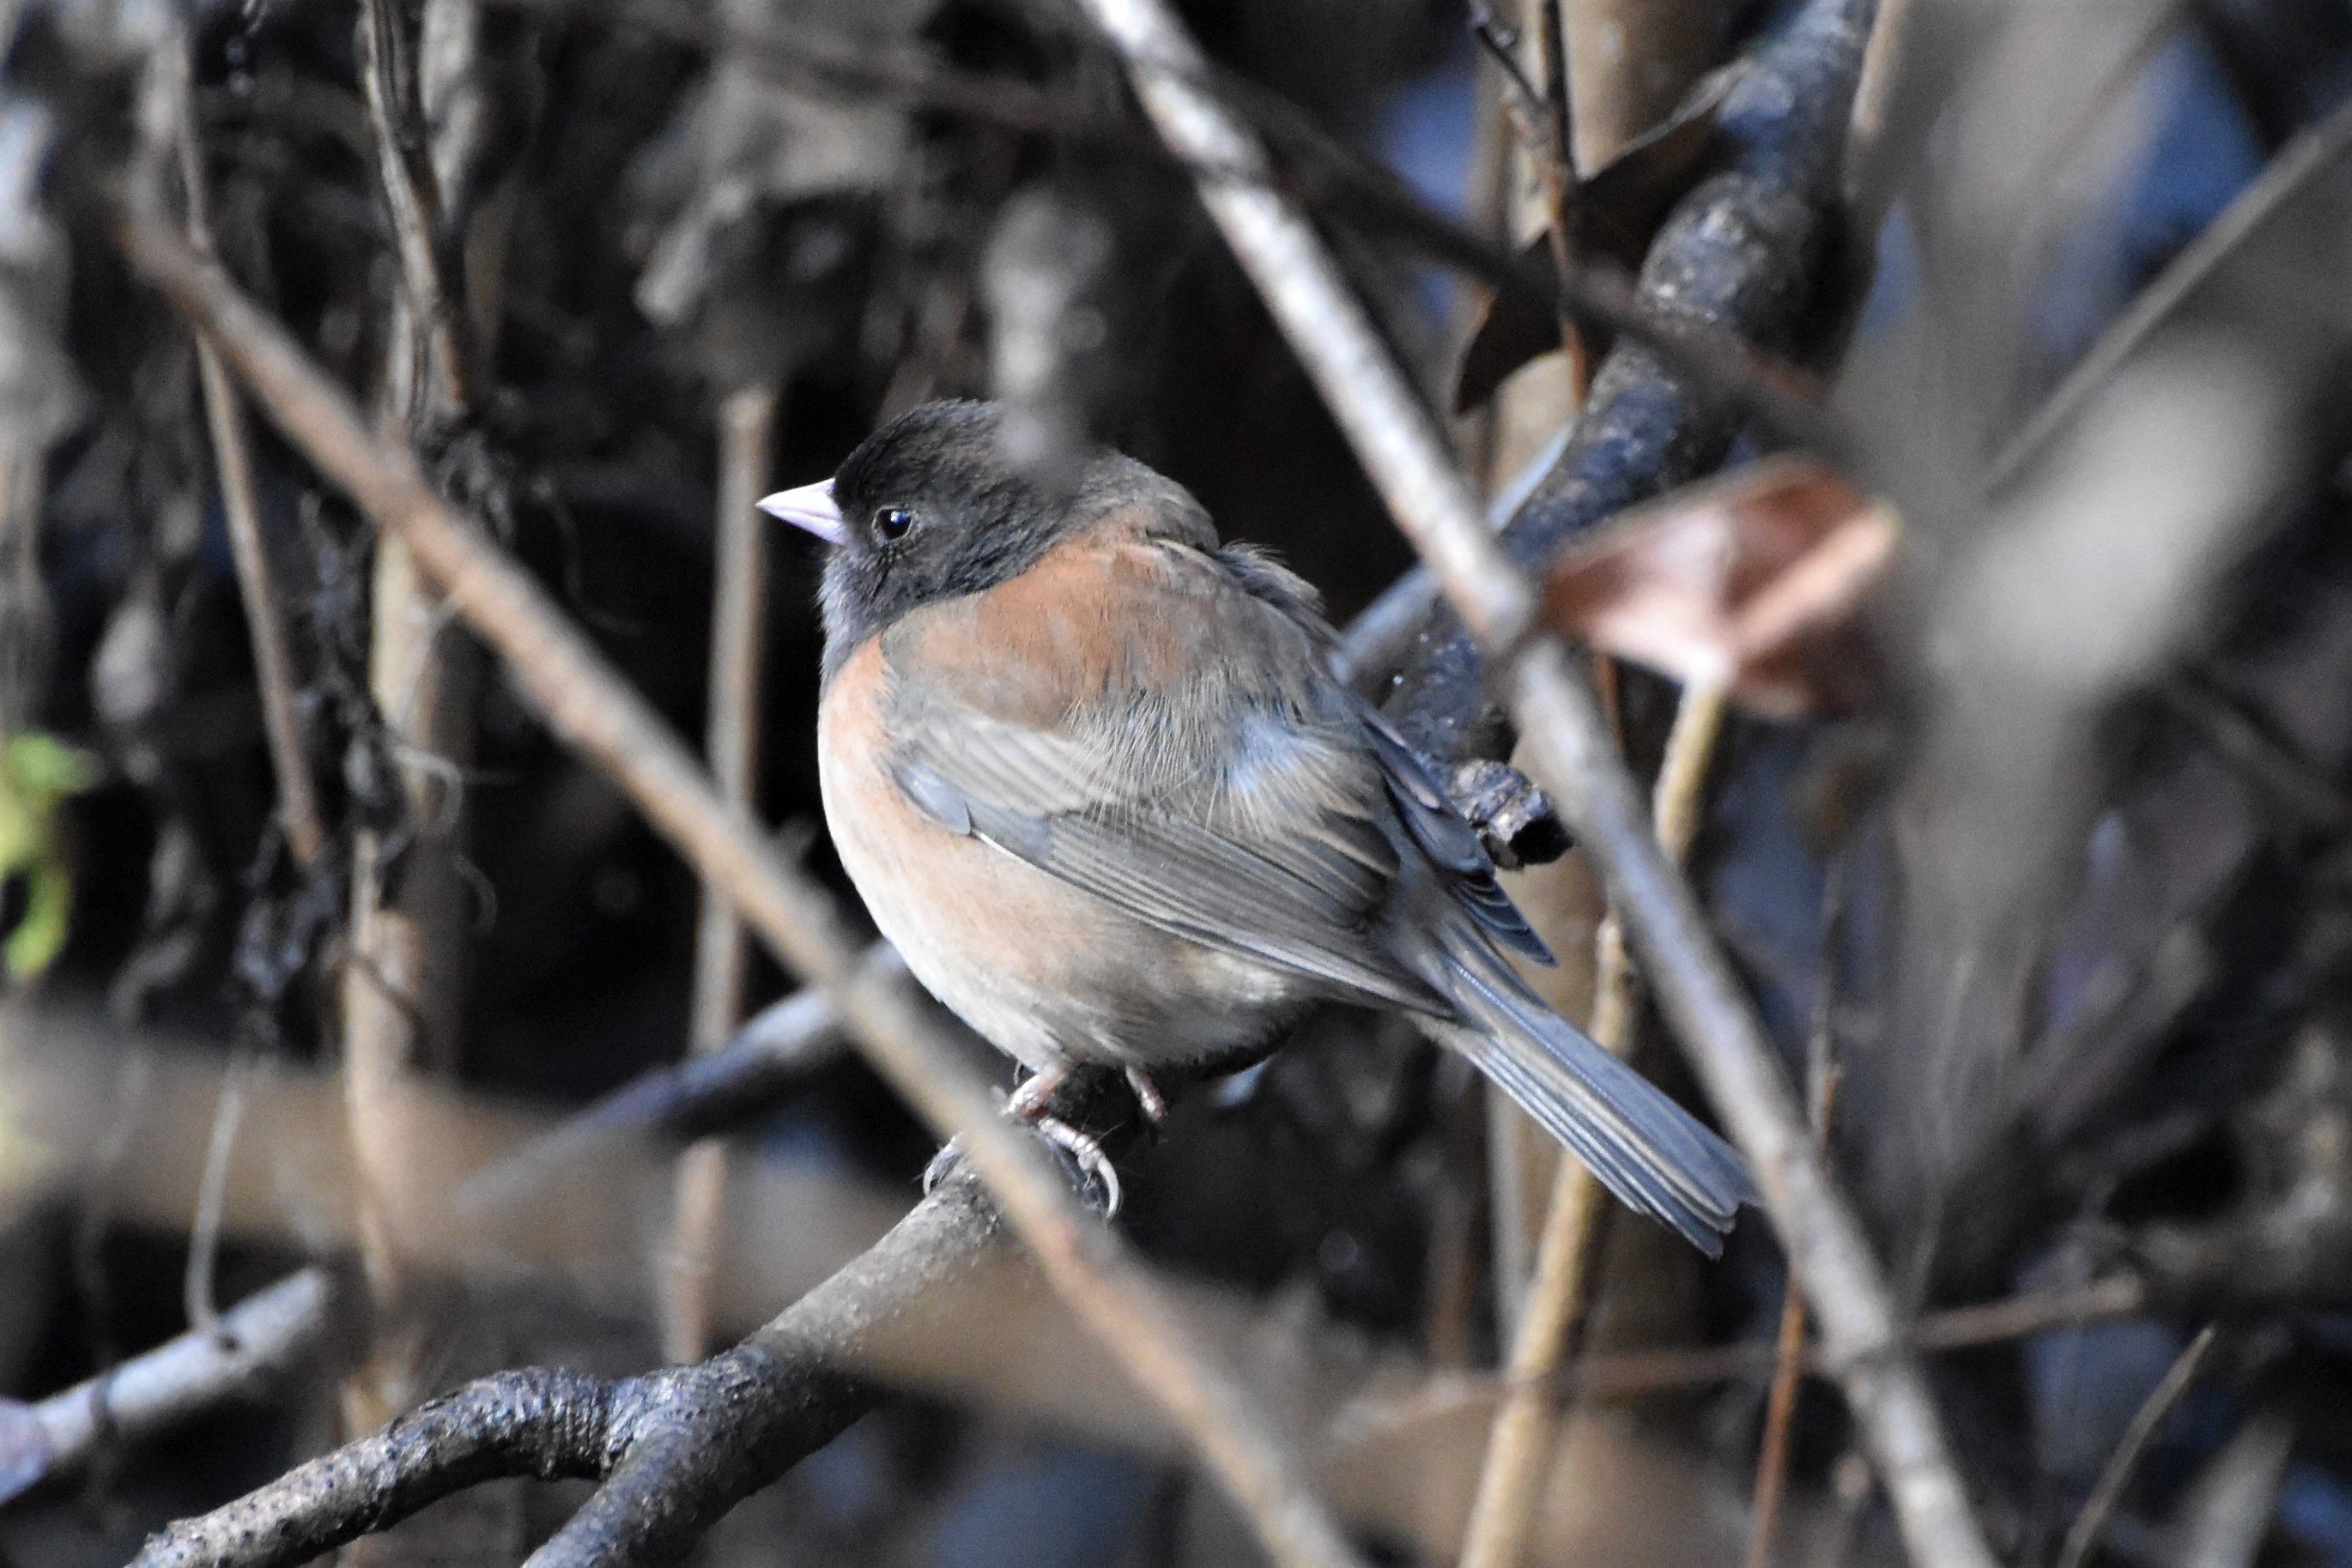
1091,772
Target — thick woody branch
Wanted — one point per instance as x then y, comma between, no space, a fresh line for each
1812,71
591,707
1741,258
535,1423
676,1448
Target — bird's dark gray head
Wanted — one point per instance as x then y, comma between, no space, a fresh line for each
929,508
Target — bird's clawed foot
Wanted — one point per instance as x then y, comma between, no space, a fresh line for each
1100,1176
1099,1179
943,1164
1028,1104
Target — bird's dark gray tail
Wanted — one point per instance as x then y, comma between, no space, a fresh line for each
1648,1151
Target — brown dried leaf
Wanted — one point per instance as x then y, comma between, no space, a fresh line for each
1618,210
1755,582
1511,331
1622,203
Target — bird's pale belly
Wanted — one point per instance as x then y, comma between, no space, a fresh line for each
1046,971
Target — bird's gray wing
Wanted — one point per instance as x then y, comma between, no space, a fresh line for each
1227,799
1256,857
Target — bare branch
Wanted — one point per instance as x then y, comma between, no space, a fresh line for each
402,980
430,275
273,656
257,1340
537,1423
747,419
680,1446
2083,1534
1789,1352
2309,155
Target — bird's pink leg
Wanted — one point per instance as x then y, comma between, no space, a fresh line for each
1028,1101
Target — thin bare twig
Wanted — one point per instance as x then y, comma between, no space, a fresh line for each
1563,737
212,1191
2231,1506
1680,797
1523,1161
2310,154
1559,112
738,629
1829,1254
1544,122
591,709
430,277
1526,1428
273,657
1865,182
783,1043
2109,1489
273,664
738,633
241,1351
1502,46
1954,1328
1780,1420
1789,1352
1555,154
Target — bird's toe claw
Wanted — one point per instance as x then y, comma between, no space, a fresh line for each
1148,1098
1099,1176
943,1164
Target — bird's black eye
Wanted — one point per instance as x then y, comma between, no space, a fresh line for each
892,523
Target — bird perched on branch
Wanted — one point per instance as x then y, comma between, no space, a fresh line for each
1090,771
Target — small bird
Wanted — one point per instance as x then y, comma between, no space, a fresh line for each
1091,772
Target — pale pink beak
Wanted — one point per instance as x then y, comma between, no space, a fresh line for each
810,507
